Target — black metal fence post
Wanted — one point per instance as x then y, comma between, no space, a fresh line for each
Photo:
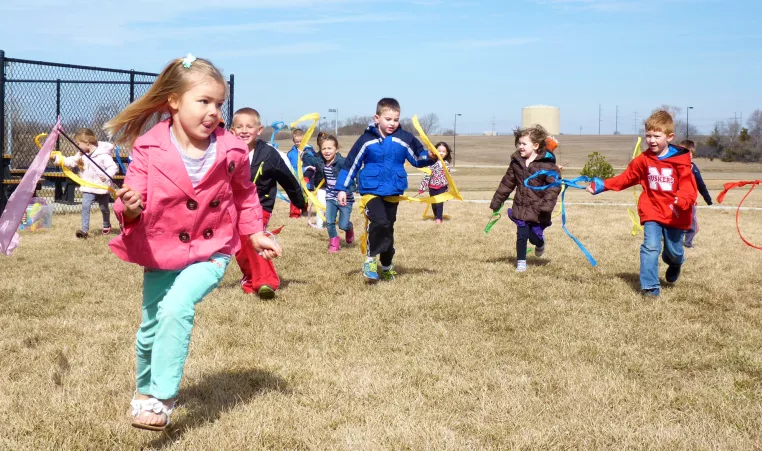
132,86
231,108
3,197
58,107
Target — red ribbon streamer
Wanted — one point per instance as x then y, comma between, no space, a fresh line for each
721,197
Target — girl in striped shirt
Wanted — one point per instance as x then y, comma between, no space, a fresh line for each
328,165
436,182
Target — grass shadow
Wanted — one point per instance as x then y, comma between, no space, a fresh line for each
217,394
401,271
533,261
632,279
288,282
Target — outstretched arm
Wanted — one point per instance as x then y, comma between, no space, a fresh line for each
507,184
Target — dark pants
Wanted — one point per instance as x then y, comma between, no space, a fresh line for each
691,233
530,233
382,215
437,208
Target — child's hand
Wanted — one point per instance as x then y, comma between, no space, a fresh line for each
133,202
265,246
433,156
342,198
590,189
103,178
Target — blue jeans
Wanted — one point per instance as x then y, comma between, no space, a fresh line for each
169,308
333,209
87,200
673,254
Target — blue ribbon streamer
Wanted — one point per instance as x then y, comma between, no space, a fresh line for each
570,183
117,151
276,128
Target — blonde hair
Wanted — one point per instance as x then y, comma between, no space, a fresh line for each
86,135
536,133
175,79
297,132
660,121
249,112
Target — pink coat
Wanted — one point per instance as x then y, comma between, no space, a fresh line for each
182,225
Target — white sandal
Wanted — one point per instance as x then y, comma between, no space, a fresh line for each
151,405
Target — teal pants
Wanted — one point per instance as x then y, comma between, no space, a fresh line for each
169,307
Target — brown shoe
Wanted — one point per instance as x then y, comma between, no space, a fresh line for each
81,234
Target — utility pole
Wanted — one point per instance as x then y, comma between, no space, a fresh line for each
599,119
493,125
616,124
580,130
635,122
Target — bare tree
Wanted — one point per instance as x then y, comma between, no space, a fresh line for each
754,123
682,128
429,123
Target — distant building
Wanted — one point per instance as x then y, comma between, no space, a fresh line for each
547,116
490,133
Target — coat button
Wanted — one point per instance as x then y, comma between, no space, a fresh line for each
208,233
231,166
192,204
184,237
215,203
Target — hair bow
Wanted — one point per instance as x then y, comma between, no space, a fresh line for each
188,61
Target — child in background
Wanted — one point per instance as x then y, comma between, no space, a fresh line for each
100,152
669,193
693,231
379,156
186,201
328,166
436,182
293,157
268,170
532,210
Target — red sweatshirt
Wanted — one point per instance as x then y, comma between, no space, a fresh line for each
669,188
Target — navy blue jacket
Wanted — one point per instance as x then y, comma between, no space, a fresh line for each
381,162
701,185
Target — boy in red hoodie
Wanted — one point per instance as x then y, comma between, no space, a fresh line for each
664,207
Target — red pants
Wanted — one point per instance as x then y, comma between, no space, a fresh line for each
256,270
294,212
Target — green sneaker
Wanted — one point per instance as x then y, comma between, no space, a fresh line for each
388,274
370,271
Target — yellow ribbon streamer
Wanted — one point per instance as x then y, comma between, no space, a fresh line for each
311,195
633,214
77,179
68,172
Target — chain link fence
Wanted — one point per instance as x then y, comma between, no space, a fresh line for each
34,93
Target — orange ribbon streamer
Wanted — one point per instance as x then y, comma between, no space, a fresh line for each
727,187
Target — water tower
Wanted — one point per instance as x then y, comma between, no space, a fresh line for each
547,116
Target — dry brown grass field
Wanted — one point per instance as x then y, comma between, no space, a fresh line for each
458,353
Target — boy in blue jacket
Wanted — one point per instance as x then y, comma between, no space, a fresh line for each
691,233
379,155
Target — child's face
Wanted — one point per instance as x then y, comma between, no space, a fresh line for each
526,147
199,110
442,151
658,141
85,147
297,140
248,128
388,121
328,150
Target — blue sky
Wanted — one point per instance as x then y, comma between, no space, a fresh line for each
482,59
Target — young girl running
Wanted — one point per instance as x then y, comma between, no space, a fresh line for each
436,182
531,210
328,165
186,199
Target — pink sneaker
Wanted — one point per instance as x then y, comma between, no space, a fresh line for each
350,235
334,244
